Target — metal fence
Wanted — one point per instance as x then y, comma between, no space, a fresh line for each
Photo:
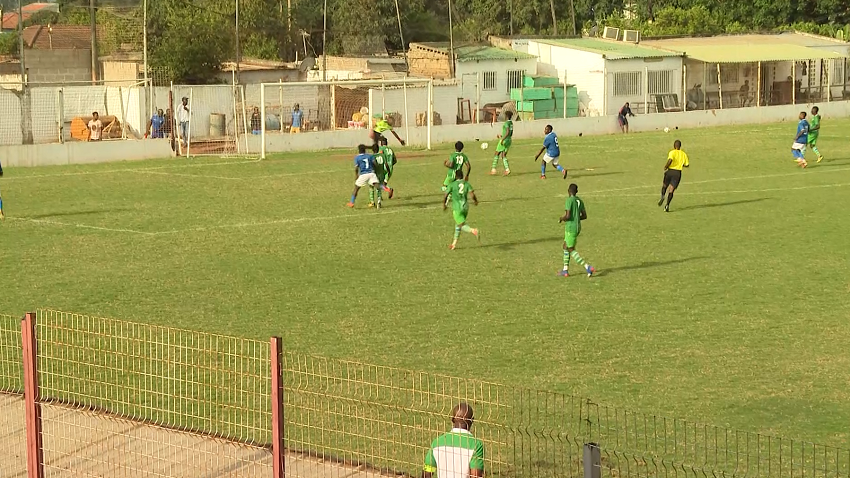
125,399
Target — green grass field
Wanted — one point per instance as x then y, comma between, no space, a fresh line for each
732,309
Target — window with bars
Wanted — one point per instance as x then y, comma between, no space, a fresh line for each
660,82
837,72
728,73
489,81
515,79
627,83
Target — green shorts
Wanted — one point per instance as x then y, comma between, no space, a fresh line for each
450,178
813,141
570,238
504,146
460,215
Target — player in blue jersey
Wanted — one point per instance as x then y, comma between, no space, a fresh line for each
798,149
552,150
2,214
364,171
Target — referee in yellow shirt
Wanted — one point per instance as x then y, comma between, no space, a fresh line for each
676,160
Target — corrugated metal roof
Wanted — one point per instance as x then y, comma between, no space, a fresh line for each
612,50
755,53
478,52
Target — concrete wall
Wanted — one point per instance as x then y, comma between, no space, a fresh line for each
613,103
58,66
588,126
584,69
83,152
120,73
500,67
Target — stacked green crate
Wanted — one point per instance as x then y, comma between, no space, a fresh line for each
544,98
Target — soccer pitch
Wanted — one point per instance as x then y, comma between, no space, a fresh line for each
732,309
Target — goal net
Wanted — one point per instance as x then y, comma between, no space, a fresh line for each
336,111
219,121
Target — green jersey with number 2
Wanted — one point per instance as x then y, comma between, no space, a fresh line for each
576,207
459,190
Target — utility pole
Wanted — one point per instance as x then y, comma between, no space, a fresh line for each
554,18
26,100
572,18
511,15
93,15
451,44
324,44
237,42
401,36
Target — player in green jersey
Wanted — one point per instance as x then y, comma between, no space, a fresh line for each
390,161
383,169
456,162
814,131
505,140
458,191
573,215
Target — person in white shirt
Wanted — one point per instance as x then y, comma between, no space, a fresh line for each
183,120
95,128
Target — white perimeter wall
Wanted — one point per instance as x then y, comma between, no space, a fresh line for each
583,69
500,67
106,151
644,66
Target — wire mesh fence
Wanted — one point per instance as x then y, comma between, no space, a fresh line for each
128,399
204,398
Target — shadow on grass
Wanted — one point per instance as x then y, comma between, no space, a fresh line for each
720,204
830,163
577,173
510,245
436,197
647,265
74,213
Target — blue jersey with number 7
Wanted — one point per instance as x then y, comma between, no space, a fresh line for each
366,163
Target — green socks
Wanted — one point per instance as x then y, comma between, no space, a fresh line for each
457,232
505,163
578,258
371,195
566,260
466,228
815,149
495,161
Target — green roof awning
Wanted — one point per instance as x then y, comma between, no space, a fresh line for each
757,53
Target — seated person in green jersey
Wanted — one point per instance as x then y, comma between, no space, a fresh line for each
456,453
458,190
456,162
505,140
380,127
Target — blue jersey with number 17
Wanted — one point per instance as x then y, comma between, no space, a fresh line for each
366,163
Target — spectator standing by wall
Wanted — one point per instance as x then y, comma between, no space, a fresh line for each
183,120
156,125
623,117
95,127
456,454
297,119
256,121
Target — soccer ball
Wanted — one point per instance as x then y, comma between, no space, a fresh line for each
485,145
666,130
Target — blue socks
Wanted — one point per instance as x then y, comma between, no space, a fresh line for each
543,169
353,197
560,168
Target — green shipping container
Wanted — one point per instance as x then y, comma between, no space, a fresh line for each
536,106
531,94
537,81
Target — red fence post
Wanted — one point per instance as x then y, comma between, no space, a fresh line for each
278,454
35,452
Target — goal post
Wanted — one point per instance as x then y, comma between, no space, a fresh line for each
331,111
218,122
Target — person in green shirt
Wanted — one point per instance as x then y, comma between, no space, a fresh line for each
814,131
573,215
458,191
380,127
456,453
457,162
505,140
390,161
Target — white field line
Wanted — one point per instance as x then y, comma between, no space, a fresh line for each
600,193
81,226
